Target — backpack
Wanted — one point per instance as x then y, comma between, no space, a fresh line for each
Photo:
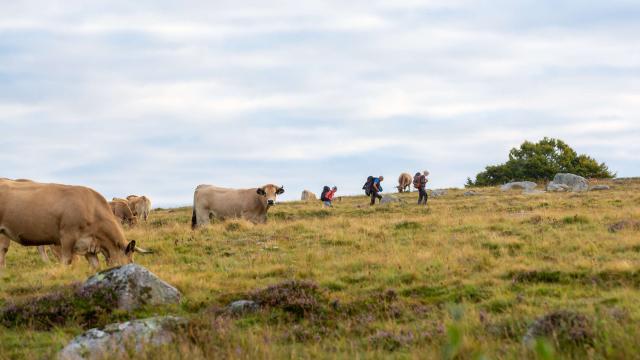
419,181
367,185
323,196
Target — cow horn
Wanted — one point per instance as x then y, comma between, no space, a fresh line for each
143,251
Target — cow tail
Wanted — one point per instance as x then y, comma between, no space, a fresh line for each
193,218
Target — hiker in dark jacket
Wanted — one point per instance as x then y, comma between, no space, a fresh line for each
376,188
420,183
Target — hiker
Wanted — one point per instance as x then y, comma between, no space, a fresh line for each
327,196
374,188
420,183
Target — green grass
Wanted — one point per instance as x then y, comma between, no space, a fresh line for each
463,278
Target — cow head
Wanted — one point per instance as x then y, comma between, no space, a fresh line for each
269,193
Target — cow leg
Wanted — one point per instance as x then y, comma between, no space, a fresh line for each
43,253
203,217
4,247
67,243
93,260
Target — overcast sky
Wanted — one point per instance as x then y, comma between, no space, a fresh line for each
155,97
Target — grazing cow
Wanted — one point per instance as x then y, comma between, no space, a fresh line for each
75,218
215,202
121,210
308,196
140,206
404,182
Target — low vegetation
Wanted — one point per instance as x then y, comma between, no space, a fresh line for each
498,275
540,162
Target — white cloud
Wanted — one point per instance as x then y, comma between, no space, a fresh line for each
170,95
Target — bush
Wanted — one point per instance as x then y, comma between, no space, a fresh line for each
541,161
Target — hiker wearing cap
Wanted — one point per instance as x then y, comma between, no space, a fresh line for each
420,183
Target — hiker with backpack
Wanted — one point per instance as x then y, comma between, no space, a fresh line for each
327,196
373,187
420,183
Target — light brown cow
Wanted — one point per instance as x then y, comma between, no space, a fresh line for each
215,202
121,210
308,196
75,218
404,182
140,206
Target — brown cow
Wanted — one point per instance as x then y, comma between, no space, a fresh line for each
404,182
215,202
121,210
140,206
76,218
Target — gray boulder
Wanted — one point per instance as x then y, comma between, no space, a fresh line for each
132,285
119,340
471,193
574,182
438,193
600,188
388,199
519,185
242,307
557,187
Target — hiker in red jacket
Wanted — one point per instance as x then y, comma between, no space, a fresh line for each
328,197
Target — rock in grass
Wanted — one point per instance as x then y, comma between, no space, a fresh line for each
438,193
242,307
132,285
388,199
574,182
470,193
533,192
120,340
557,187
519,185
600,188
564,327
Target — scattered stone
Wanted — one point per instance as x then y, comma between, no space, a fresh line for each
600,188
438,193
557,187
133,287
519,185
242,307
471,193
308,196
574,182
119,340
565,327
388,199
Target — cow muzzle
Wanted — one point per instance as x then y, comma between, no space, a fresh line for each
271,202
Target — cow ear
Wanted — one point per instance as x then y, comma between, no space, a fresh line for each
131,247
261,191
280,191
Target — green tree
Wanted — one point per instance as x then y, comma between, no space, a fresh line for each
541,161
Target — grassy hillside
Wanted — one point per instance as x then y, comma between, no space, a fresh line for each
464,276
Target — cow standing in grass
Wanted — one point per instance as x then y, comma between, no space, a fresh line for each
211,202
140,206
404,182
76,218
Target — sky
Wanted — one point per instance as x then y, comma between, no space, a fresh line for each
156,97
